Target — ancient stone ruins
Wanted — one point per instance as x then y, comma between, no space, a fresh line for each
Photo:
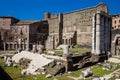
91,28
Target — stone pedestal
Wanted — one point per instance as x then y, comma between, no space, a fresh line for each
50,43
34,49
65,51
68,65
40,49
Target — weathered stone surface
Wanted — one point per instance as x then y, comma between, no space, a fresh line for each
48,76
40,48
87,73
101,33
74,27
9,62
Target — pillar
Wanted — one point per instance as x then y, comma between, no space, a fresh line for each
98,33
19,46
23,46
8,46
70,41
27,44
102,34
105,35
109,34
4,46
64,41
93,34
12,45
16,46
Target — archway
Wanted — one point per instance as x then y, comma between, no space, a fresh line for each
115,49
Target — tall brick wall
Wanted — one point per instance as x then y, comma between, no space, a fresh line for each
5,23
76,23
15,31
81,21
54,30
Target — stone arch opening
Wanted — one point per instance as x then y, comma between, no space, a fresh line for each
116,46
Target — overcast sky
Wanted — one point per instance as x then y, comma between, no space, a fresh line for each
34,9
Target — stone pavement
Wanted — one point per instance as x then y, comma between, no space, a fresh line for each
114,60
75,78
37,60
112,74
106,76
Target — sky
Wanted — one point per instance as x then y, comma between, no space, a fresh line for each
35,9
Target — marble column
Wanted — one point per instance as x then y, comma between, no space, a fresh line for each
98,33
16,46
12,45
105,35
70,41
4,46
19,44
93,34
109,33
8,46
64,41
27,44
102,35
23,46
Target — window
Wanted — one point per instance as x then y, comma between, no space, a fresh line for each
119,26
3,24
56,40
115,21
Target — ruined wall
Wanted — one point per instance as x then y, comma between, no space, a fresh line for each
114,32
76,26
16,30
5,23
53,38
101,33
115,39
81,21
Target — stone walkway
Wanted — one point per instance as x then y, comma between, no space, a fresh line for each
75,78
106,76
114,60
2,55
37,60
112,74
